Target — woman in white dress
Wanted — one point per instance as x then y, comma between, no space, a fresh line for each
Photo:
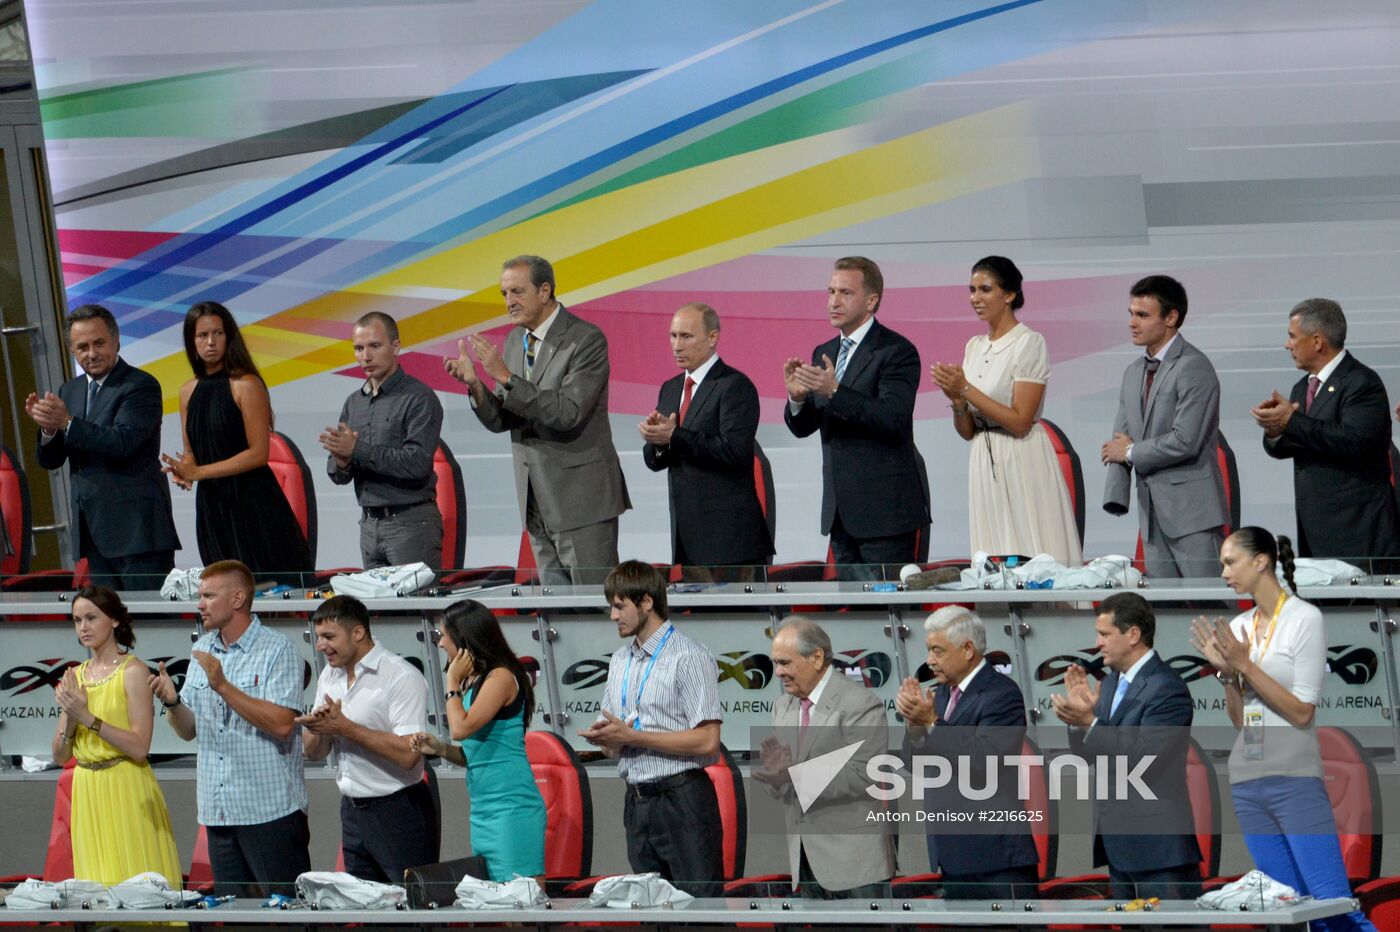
1018,502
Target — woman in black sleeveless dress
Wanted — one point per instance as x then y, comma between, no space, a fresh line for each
240,511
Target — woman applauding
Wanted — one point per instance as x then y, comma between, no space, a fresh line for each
120,826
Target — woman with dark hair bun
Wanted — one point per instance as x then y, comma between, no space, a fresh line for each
226,416
120,826
1017,499
1272,661
490,701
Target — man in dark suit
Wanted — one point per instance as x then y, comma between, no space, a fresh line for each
1144,708
859,392
552,396
105,424
1164,437
1335,426
702,433
973,714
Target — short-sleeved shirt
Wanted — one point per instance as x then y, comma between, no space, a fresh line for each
247,776
995,366
389,694
1296,659
680,692
398,427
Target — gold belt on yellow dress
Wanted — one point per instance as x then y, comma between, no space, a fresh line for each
102,764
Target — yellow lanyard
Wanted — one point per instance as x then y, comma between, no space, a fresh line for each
1269,635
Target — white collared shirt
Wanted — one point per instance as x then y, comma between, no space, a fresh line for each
1327,370
389,694
542,330
1161,354
701,371
816,694
962,686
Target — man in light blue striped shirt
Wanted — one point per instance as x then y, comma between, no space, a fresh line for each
661,720
240,698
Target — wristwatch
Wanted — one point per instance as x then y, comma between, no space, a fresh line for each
171,705
96,726
451,694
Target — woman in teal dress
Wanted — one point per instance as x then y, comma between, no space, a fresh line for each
489,703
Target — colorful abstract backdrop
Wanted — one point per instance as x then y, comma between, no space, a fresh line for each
304,162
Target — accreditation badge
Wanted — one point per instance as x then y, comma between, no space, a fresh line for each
1254,731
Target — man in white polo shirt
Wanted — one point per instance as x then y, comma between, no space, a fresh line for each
372,702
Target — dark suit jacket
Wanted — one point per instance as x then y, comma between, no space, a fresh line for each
989,720
113,457
1153,718
1341,472
869,470
715,515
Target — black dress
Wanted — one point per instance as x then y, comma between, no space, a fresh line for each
244,517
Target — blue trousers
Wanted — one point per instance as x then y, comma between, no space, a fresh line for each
1292,837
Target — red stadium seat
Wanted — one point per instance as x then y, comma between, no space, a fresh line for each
452,502
767,492
1354,790
733,811
1072,470
15,514
58,865
568,804
294,476
201,875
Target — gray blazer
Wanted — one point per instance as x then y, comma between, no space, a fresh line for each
1178,475
845,714
560,437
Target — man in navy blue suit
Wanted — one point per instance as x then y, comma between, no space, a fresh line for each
974,713
859,391
105,424
1142,708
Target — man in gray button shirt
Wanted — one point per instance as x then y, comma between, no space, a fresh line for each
384,443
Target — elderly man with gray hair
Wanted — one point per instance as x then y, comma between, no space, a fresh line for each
1335,426
831,857
973,714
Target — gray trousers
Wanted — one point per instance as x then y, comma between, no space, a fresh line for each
410,536
581,556
1191,556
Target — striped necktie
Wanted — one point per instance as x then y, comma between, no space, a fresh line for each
843,357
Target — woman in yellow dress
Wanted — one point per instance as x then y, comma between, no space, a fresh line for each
120,826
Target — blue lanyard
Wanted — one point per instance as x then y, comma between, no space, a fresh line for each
646,675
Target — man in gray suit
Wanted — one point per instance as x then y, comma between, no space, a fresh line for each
552,395
833,852
1168,418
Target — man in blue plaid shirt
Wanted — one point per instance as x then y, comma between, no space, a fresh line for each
240,699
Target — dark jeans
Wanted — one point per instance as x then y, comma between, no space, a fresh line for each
871,559
410,536
673,828
383,836
259,860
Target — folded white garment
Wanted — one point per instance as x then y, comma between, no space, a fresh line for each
636,891
182,585
1042,572
1310,572
518,893
1253,892
63,894
384,582
148,891
35,764
339,890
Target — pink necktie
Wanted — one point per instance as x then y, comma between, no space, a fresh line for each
685,403
1314,383
806,718
953,696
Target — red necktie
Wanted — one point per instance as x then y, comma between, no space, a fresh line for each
1152,364
1314,383
953,696
685,399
